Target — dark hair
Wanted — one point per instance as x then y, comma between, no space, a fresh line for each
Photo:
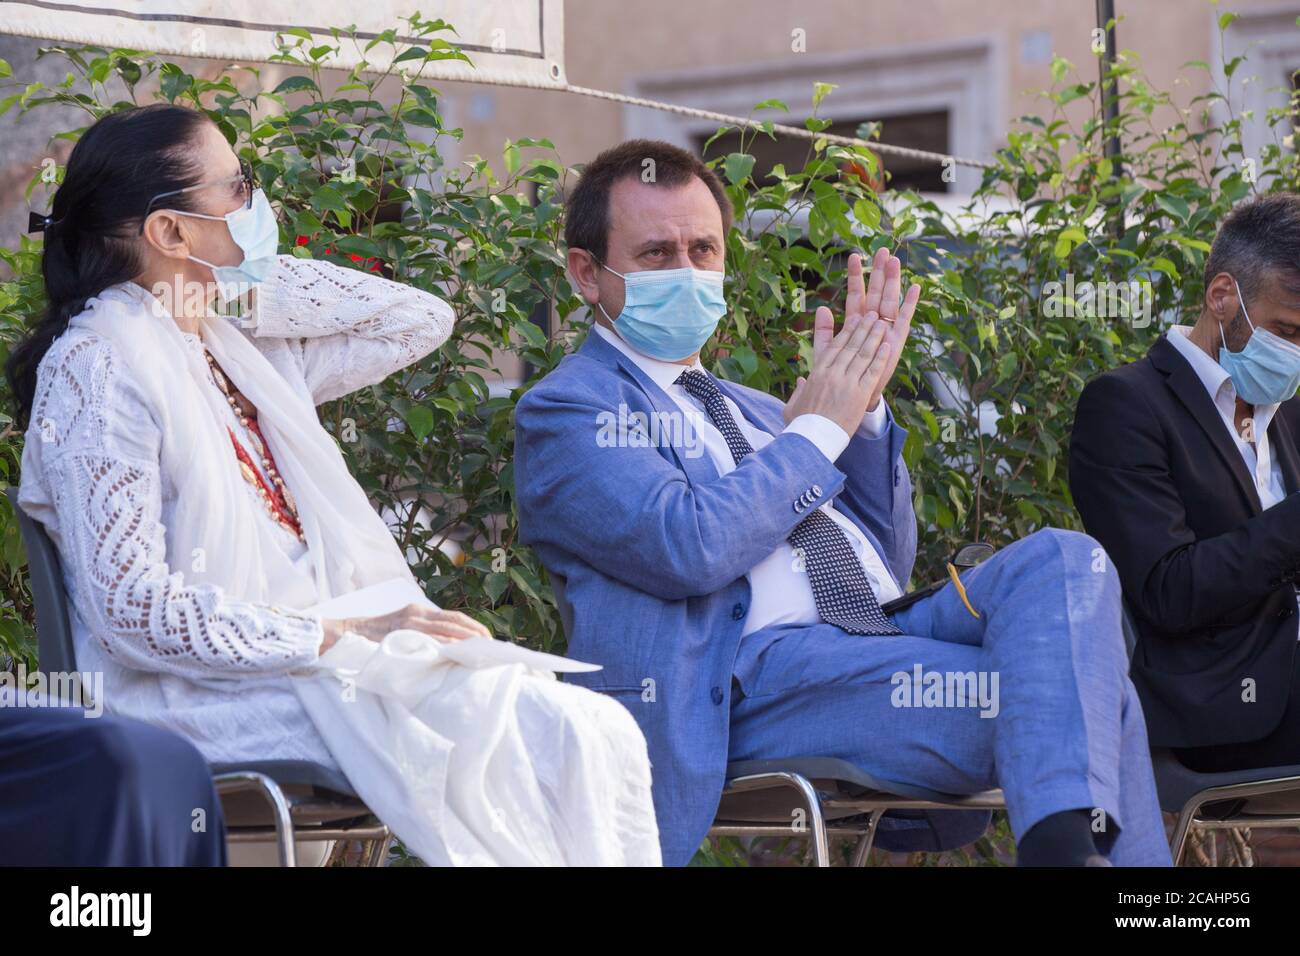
119,164
586,223
1259,239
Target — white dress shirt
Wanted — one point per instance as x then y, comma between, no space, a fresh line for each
779,592
1265,468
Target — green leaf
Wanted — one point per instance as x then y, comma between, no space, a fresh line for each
420,420
293,84
738,166
867,214
1172,205
414,53
1066,240
495,584
819,92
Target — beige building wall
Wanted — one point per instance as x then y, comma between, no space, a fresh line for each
985,59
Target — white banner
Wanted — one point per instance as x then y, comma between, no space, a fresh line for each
512,41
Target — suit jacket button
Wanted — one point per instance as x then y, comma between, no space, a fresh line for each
716,694
817,491
738,612
1285,612
798,507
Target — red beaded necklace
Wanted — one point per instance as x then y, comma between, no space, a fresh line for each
275,495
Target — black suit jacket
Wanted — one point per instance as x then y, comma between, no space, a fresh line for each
1207,573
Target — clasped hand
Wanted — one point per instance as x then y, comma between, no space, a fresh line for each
851,368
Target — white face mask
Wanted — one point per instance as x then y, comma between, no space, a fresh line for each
255,231
1267,370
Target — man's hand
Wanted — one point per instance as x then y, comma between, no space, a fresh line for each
850,369
880,298
845,373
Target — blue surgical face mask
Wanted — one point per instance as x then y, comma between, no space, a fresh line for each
1267,370
255,232
669,313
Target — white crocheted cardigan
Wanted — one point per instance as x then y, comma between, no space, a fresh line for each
154,637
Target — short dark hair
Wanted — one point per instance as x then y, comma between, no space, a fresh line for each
586,222
1260,238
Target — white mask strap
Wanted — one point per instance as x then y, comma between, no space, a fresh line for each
619,274
599,305
1243,312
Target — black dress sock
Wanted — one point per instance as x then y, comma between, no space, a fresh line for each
1062,839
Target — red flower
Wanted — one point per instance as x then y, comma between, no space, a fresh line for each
374,263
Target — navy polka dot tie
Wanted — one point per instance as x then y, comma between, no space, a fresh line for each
839,583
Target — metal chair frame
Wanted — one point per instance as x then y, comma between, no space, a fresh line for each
1198,800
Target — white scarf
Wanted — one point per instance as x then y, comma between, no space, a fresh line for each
217,534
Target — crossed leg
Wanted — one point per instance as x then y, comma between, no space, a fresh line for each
1048,713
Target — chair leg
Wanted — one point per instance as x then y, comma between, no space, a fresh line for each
243,780
862,849
813,803
816,822
377,851
1178,843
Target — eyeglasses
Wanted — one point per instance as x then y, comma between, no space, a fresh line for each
962,559
970,555
243,181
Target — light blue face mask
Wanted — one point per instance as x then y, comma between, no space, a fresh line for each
1267,370
669,313
255,232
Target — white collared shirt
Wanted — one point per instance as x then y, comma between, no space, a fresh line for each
1264,467
779,593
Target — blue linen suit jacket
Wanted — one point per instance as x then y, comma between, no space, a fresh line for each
654,546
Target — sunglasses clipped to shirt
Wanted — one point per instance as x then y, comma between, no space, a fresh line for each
964,558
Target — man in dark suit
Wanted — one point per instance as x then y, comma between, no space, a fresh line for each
1184,465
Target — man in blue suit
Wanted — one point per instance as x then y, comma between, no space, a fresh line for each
726,555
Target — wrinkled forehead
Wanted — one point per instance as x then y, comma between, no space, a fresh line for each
682,214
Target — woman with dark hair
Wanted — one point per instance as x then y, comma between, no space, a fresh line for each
203,515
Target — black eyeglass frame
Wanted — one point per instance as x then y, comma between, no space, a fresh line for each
245,173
